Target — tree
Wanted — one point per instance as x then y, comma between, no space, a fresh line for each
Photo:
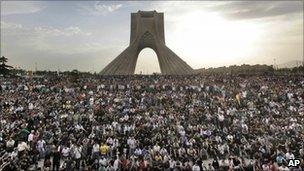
4,69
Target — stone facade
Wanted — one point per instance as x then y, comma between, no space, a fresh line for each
147,30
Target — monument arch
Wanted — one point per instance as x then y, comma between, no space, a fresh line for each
147,30
147,62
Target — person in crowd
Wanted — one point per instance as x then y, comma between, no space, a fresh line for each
56,159
152,122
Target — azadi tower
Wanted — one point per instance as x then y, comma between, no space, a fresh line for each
147,30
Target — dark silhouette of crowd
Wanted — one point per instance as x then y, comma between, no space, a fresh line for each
155,122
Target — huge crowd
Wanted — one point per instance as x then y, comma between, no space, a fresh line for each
152,122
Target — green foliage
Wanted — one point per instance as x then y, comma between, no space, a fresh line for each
5,70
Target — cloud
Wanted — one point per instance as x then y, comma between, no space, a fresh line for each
235,10
71,46
65,41
42,30
69,31
107,8
44,38
257,9
100,8
6,25
20,7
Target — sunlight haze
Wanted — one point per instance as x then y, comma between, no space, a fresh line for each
87,35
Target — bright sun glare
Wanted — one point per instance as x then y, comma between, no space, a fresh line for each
207,40
209,36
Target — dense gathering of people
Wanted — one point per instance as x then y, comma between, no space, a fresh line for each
155,122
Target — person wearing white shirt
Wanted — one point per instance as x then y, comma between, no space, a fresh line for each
156,148
132,144
196,167
31,136
30,106
163,151
95,151
65,152
221,117
116,164
22,146
166,158
10,145
41,147
289,155
103,161
172,164
138,152
77,153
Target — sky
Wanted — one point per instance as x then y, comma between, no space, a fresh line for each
87,35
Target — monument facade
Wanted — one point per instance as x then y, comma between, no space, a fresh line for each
147,30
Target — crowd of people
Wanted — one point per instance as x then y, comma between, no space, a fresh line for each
154,122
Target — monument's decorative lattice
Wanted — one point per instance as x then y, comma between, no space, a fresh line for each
147,30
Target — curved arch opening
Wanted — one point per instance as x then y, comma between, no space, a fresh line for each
147,62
